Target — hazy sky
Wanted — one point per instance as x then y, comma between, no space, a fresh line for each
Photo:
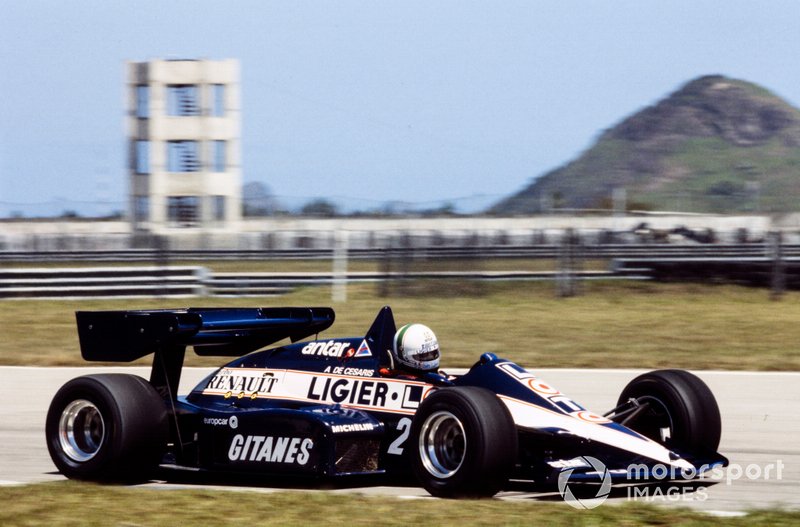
417,101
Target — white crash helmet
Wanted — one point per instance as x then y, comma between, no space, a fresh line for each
416,347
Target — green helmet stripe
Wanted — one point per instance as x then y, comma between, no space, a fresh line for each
400,334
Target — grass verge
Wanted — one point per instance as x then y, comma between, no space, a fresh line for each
612,325
72,503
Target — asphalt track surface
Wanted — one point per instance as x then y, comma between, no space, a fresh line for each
760,436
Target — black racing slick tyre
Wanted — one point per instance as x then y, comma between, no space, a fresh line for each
464,443
108,427
681,413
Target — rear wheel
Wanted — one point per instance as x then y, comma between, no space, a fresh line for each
464,443
680,412
110,427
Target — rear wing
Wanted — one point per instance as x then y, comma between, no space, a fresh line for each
124,336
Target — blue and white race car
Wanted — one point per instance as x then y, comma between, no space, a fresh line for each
336,407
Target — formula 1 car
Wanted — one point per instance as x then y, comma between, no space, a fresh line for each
336,407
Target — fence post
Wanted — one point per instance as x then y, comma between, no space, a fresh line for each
202,275
569,262
778,274
340,250
161,244
384,287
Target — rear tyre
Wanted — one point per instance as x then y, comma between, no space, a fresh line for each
464,443
681,414
109,427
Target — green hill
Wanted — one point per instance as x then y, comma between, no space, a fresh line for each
715,145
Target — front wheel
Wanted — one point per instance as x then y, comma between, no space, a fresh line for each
108,427
679,411
464,443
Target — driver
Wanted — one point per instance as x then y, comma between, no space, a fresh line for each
415,353
416,348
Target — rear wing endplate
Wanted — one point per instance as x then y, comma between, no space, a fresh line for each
124,336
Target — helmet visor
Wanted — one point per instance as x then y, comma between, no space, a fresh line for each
427,355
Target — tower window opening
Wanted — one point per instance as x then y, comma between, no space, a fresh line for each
183,211
183,100
183,156
218,100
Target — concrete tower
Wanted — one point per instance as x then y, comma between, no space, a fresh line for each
184,145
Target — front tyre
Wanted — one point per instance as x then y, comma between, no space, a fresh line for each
681,413
110,427
464,443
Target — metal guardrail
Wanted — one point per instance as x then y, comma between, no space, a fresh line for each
744,263
102,282
115,282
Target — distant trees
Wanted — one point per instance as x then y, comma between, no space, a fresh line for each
257,200
320,207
